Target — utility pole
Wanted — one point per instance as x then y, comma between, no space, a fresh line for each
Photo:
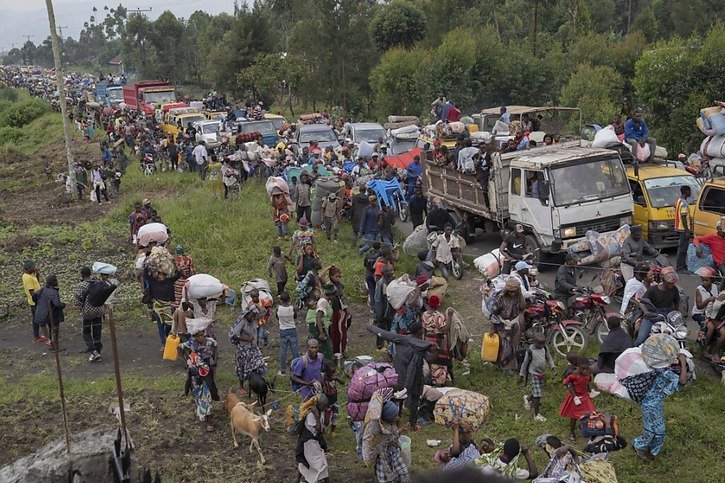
139,11
61,91
60,31
28,37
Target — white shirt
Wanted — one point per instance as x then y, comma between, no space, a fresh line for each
443,248
465,158
704,295
634,288
286,317
200,154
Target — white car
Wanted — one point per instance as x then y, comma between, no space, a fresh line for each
209,131
370,132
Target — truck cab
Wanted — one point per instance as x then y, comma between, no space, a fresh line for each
655,190
710,207
180,115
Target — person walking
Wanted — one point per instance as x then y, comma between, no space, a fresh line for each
92,316
49,312
682,227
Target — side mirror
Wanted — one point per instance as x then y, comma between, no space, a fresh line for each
636,168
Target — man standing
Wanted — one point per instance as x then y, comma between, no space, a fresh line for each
682,227
304,205
369,224
331,216
30,286
413,170
136,219
92,316
308,370
383,312
200,155
636,133
417,207
445,247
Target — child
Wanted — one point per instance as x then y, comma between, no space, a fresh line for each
425,268
573,359
281,216
578,400
329,389
534,365
277,269
286,315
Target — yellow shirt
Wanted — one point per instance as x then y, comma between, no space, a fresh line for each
30,282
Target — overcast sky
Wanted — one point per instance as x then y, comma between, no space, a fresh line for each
29,17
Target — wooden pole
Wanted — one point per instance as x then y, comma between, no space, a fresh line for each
61,90
61,392
117,372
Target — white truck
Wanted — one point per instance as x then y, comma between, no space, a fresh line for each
556,192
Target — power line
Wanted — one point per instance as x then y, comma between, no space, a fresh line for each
60,30
139,11
28,37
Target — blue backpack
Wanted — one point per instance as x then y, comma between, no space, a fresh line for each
304,360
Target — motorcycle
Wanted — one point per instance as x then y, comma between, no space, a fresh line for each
590,310
148,165
674,325
546,315
457,264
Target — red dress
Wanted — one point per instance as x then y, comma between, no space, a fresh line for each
581,388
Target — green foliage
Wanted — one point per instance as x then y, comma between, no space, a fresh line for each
19,114
676,79
10,135
396,82
597,91
399,23
272,76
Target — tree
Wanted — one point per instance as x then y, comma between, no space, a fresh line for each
397,24
597,91
535,16
677,78
274,76
397,82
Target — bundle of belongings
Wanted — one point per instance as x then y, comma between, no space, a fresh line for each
569,465
636,369
711,122
601,248
364,382
458,407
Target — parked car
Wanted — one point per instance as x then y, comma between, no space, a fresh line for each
369,132
208,131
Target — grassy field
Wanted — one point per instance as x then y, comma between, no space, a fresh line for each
231,239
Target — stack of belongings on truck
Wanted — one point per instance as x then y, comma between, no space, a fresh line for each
635,369
152,232
711,122
314,118
324,187
489,264
398,122
366,380
458,407
606,138
601,248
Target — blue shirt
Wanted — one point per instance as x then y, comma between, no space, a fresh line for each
636,131
414,170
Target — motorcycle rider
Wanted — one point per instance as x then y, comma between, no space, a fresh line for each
633,248
513,248
659,299
565,283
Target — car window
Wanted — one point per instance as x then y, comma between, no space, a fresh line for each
637,193
533,183
327,135
713,200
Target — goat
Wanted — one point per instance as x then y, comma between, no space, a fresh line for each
259,386
244,421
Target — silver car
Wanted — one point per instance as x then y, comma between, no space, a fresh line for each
322,133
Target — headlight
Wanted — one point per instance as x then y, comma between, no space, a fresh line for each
659,226
606,299
681,332
568,232
625,220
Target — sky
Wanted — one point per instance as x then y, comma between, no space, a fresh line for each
30,17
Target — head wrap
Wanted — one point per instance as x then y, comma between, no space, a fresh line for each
390,411
329,289
414,327
660,351
303,222
434,301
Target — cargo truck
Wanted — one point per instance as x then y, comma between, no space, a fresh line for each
148,96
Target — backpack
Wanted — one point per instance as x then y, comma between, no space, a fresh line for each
369,261
598,424
525,353
304,360
98,292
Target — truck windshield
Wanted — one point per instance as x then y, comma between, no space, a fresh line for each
589,181
664,192
402,146
161,97
326,135
262,127
114,93
210,128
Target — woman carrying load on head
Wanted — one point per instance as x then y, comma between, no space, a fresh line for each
243,335
199,353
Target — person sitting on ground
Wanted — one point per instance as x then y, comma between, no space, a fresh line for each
425,267
505,462
616,342
463,451
716,242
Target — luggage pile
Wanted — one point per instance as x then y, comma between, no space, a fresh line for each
466,409
366,380
711,122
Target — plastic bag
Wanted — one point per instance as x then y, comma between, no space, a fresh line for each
202,285
642,151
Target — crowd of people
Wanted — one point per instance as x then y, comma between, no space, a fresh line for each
422,340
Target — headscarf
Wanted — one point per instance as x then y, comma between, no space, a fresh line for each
660,351
434,302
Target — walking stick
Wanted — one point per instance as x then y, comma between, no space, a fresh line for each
61,393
